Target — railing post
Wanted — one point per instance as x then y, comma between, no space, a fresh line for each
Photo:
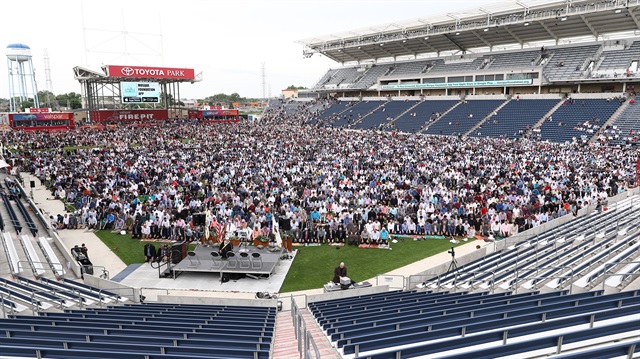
4,313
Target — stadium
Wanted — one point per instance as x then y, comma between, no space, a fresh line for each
476,172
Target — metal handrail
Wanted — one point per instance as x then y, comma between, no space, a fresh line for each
4,310
168,263
474,273
311,344
610,265
306,344
30,263
518,278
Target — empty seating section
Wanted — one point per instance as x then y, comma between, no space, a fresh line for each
411,324
143,331
344,76
559,64
620,60
29,295
388,112
372,75
440,66
551,258
622,349
628,250
32,255
12,254
611,252
292,107
566,63
409,68
419,116
620,277
627,124
273,104
567,122
12,214
515,116
324,79
50,255
514,59
356,113
334,109
463,117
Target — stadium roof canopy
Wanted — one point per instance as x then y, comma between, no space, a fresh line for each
518,23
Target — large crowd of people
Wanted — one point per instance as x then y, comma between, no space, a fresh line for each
328,185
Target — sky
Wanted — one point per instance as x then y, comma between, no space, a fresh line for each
227,41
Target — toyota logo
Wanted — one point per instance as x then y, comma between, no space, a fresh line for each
127,71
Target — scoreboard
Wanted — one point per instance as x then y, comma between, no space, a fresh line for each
140,92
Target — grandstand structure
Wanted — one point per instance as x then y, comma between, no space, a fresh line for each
569,288
538,50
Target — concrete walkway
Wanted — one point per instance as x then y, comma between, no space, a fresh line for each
99,254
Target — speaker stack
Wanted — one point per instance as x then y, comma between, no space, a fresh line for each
199,219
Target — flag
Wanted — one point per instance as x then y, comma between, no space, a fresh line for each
220,230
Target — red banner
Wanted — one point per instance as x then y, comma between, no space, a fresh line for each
193,114
220,113
638,173
54,116
129,115
39,110
41,121
145,72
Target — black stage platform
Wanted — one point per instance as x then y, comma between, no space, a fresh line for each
201,260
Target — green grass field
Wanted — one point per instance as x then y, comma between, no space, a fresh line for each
129,250
313,266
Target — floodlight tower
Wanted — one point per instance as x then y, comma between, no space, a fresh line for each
22,79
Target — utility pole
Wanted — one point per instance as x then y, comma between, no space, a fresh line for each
47,73
264,82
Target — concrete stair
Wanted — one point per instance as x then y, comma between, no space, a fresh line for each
286,344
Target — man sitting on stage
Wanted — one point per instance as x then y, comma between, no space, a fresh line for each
225,248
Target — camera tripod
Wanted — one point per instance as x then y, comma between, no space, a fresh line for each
453,266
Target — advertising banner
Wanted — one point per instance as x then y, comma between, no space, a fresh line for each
457,84
40,116
129,115
193,114
213,113
145,72
41,121
38,110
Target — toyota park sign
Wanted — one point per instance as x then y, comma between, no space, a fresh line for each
145,72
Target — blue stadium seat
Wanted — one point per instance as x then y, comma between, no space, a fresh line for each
463,117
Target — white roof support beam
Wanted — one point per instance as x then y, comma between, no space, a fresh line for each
515,37
475,33
586,22
633,17
554,36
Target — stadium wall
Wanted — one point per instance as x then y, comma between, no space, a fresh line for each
347,293
217,301
123,290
